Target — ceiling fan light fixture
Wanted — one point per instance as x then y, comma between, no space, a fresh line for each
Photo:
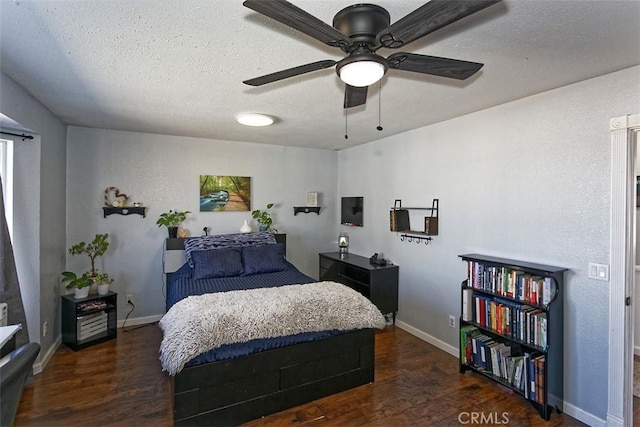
361,73
254,119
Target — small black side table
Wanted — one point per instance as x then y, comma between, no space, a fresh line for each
89,321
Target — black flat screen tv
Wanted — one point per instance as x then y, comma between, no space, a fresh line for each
351,213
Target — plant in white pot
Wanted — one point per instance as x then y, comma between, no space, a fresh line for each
103,280
79,284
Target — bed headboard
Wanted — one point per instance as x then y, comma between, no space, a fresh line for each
174,254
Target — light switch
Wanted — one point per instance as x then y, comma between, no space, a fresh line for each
599,271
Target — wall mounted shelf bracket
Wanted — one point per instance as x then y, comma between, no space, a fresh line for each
306,209
125,211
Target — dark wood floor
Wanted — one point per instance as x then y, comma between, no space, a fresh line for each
120,383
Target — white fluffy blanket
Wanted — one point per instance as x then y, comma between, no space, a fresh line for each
198,324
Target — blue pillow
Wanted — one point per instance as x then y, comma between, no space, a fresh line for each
224,241
263,259
217,263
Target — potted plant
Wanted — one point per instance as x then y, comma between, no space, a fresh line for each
263,218
79,284
103,280
172,220
97,247
94,249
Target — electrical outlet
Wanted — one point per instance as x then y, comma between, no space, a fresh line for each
452,321
130,299
45,326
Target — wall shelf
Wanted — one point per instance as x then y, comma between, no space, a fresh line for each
129,210
399,222
306,209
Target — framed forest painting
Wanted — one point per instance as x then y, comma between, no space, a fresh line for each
221,193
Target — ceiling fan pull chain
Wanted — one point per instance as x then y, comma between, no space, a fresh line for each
379,106
346,133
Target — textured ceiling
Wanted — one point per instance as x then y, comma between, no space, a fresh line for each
176,66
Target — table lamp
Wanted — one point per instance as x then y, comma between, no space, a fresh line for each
343,243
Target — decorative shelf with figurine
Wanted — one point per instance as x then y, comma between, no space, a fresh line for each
127,210
306,209
119,204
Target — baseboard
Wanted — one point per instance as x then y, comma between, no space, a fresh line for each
44,359
584,416
636,350
428,338
139,321
569,409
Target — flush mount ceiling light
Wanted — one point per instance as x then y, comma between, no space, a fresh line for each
361,70
254,119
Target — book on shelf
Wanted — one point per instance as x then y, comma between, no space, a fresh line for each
466,347
509,283
547,290
532,379
478,349
543,330
467,305
517,374
91,305
539,370
399,220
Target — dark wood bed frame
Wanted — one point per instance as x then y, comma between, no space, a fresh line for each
230,392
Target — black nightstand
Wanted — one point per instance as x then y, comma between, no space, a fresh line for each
89,321
379,283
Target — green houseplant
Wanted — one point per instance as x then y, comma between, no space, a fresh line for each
103,280
94,249
79,284
263,217
172,220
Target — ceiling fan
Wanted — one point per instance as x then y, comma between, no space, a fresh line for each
360,30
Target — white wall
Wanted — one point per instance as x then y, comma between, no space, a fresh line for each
39,216
527,180
162,172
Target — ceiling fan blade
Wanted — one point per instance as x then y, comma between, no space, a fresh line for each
354,96
429,18
445,67
288,14
290,72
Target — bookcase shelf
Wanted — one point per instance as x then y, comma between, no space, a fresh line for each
511,327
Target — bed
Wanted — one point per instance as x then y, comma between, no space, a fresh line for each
270,370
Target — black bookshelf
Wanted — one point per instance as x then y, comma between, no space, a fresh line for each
514,307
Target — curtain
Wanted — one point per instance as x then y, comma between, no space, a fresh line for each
9,286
